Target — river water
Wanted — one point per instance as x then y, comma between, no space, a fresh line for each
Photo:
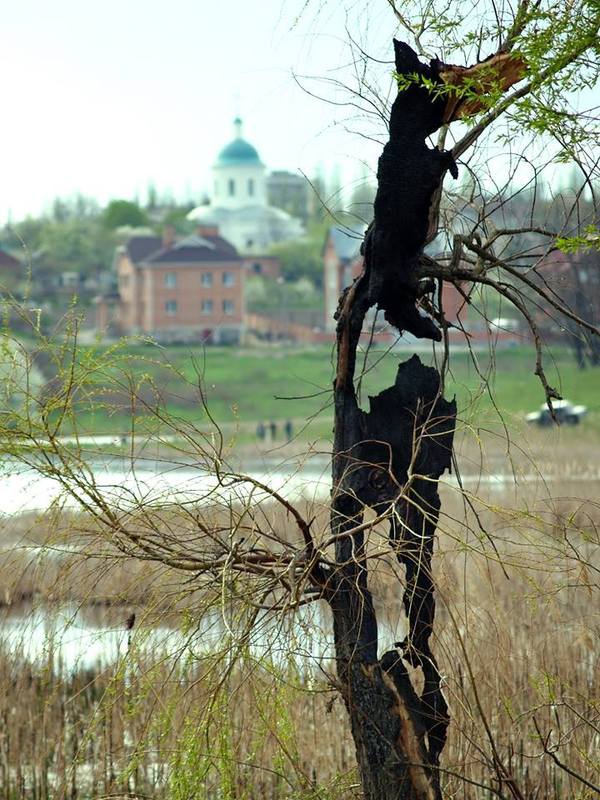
23,490
126,481
75,638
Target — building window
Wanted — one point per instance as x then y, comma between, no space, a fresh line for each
250,187
257,268
228,279
228,306
206,279
207,306
170,280
171,307
231,187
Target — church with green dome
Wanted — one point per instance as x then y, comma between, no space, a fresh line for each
239,205
239,151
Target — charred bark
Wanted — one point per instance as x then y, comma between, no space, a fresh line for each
390,459
408,175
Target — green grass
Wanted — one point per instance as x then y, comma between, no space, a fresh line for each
508,386
242,387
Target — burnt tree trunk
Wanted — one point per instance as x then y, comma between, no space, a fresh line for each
390,459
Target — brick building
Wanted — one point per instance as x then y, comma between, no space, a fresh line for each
191,289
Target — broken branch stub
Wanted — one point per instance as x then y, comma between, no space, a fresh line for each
495,74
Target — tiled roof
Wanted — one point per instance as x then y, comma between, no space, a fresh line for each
6,260
193,249
140,247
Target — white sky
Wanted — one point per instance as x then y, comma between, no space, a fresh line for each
102,98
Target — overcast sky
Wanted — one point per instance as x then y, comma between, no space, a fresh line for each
103,98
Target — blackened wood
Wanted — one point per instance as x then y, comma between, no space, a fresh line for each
389,458
408,175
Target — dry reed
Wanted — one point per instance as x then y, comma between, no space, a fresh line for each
517,570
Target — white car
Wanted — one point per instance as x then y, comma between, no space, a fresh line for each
564,411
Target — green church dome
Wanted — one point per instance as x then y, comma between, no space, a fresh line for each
238,152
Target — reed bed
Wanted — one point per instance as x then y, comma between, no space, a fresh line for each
517,566
158,729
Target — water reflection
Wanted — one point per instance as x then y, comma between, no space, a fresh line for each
129,483
125,482
72,638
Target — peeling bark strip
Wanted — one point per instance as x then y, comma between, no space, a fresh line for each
390,459
497,73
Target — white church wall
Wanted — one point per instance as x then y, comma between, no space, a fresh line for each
248,182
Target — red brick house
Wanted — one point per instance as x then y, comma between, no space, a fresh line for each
573,279
191,289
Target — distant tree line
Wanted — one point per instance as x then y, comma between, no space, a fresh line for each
78,237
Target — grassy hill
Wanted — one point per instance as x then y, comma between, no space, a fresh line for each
241,387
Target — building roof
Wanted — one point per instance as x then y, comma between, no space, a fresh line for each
239,152
277,176
140,247
217,215
263,225
6,260
194,249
